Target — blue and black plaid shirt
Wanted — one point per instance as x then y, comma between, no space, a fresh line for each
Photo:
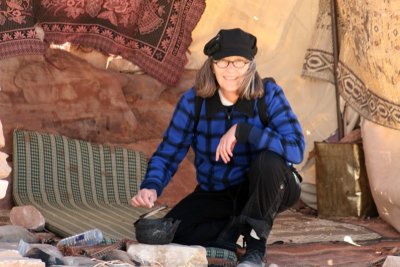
283,135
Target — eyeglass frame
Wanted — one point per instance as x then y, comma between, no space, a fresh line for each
229,62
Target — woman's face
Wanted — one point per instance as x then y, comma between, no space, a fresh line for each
229,72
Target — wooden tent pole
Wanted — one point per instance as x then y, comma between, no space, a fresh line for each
335,44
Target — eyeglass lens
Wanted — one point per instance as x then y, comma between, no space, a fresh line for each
225,63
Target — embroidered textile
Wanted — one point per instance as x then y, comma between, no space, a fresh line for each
368,71
153,34
17,29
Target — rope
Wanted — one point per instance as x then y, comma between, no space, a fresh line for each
121,263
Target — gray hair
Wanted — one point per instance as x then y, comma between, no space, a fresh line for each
206,84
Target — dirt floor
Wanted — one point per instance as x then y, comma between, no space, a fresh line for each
359,254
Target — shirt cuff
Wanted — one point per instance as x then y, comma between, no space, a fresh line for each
242,132
151,185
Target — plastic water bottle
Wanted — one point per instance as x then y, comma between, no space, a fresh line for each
88,238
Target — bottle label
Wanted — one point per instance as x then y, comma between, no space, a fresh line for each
80,238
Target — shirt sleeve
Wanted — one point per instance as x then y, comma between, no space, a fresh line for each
283,134
173,148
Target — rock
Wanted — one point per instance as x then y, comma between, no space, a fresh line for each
36,253
142,87
78,261
2,141
28,217
5,169
391,261
153,118
3,188
9,253
121,64
170,255
7,202
20,262
9,246
172,94
14,233
52,251
95,57
61,93
117,255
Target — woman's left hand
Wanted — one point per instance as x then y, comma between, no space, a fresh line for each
226,145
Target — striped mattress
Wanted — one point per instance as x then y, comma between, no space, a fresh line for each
77,185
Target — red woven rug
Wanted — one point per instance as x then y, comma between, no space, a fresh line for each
17,30
153,34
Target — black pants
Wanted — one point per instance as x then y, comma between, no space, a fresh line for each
270,188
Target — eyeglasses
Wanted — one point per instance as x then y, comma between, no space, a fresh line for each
223,63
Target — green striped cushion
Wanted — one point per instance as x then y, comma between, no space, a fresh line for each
77,185
220,253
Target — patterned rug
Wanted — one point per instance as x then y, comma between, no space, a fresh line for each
155,35
295,227
17,30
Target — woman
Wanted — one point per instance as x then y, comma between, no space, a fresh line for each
243,166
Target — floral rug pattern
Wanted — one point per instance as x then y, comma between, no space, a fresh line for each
153,34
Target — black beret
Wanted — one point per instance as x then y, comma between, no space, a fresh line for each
232,42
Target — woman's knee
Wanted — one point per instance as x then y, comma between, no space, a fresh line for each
268,162
270,171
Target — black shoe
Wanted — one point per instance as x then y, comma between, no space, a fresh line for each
252,258
228,237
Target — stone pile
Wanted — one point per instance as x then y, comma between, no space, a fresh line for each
22,246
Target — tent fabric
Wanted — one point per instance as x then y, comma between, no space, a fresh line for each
368,74
17,30
382,152
318,62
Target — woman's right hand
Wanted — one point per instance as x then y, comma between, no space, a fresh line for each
144,198
226,145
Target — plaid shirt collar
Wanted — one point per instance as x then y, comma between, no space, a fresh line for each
214,105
